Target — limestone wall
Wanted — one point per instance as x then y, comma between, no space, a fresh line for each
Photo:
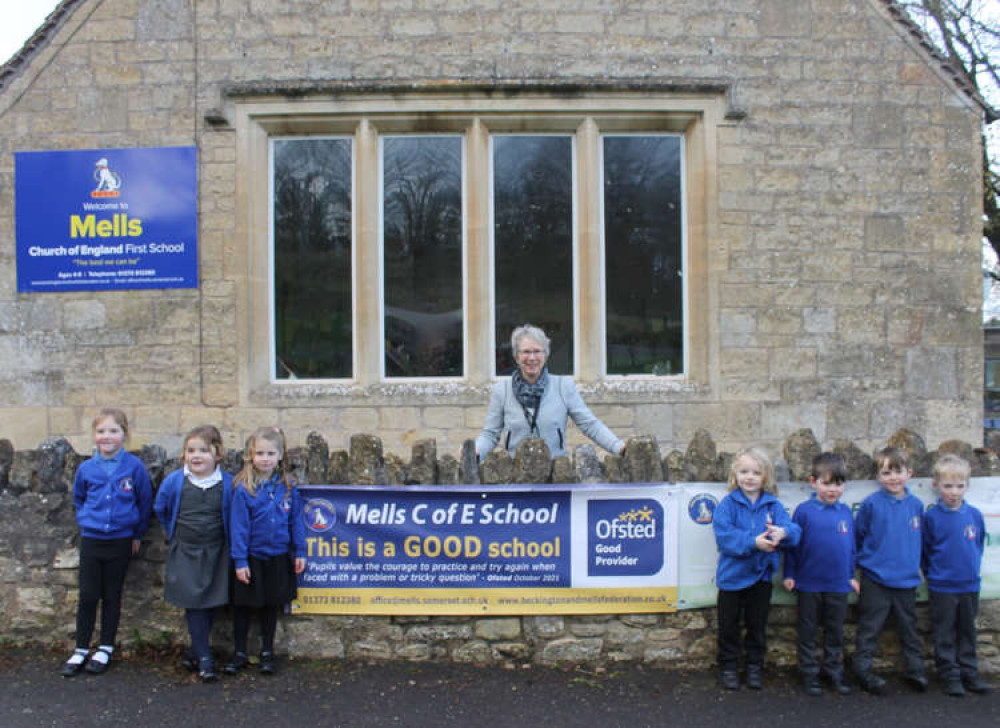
841,239
39,557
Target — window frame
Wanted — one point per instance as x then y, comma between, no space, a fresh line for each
696,116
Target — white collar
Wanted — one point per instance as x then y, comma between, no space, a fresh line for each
205,482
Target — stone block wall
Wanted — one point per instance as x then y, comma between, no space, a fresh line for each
39,558
843,247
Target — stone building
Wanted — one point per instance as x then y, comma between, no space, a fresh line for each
746,217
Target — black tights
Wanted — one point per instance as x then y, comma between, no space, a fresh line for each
268,626
103,564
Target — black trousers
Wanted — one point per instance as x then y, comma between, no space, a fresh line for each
826,610
749,606
954,618
103,565
874,607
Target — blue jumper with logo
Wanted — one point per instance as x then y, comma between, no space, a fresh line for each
267,524
737,524
824,559
888,531
954,540
113,497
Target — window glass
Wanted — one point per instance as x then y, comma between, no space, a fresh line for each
533,243
312,258
643,254
422,255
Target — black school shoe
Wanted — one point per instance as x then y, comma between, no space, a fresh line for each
871,683
755,677
839,685
238,662
96,667
975,685
206,670
69,669
953,688
267,663
810,683
729,679
917,681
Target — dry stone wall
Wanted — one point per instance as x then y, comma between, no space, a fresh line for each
39,557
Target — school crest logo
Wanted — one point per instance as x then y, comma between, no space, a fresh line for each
915,523
125,485
970,532
319,515
701,509
108,182
842,527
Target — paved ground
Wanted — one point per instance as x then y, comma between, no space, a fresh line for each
142,692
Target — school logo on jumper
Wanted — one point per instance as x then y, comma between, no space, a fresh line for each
624,537
842,527
915,523
108,182
970,532
319,515
701,508
125,485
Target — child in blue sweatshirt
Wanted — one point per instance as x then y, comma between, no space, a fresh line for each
821,570
267,543
954,537
749,525
889,529
113,499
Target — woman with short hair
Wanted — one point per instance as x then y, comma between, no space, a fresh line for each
534,403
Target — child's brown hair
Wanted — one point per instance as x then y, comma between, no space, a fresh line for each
893,458
117,415
767,469
249,477
829,465
210,435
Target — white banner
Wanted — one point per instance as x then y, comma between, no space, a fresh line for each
698,554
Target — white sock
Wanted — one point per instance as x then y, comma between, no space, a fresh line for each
103,654
78,656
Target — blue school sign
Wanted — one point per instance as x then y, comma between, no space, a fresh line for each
106,219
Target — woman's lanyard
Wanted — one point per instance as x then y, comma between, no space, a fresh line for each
531,417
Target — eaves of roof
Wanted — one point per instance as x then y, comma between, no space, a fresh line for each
20,60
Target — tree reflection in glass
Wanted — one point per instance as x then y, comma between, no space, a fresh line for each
312,258
422,248
533,243
643,254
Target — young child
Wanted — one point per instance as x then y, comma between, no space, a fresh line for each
749,525
954,537
268,543
193,504
888,531
821,570
113,499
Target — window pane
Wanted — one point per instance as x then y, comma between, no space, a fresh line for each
422,244
312,258
643,254
533,243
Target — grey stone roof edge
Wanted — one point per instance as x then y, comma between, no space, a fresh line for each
956,74
20,60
